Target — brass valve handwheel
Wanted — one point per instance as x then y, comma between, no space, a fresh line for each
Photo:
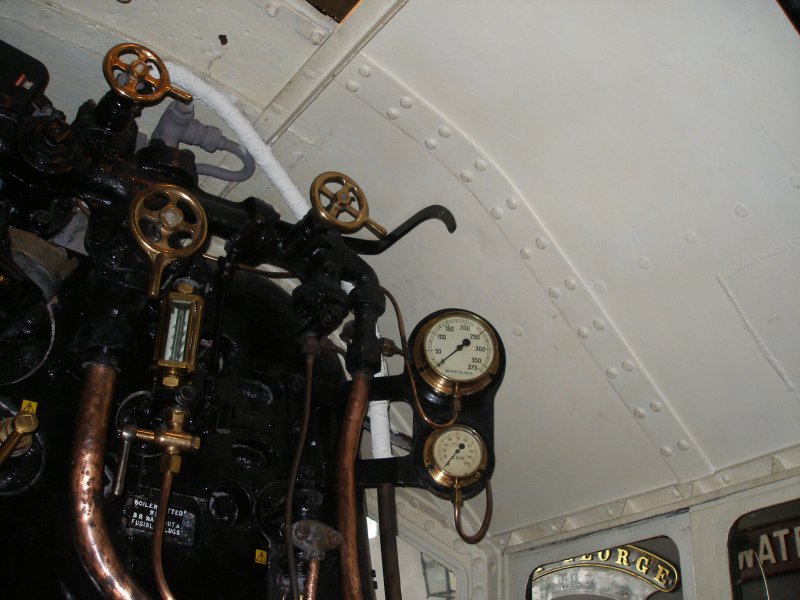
168,223
343,195
138,71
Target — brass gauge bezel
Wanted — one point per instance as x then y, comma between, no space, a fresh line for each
439,473
442,383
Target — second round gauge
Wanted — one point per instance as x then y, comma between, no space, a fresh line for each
455,454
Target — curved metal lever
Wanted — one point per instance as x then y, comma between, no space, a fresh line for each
435,211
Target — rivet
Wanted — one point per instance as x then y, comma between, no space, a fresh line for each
497,212
643,262
393,113
554,292
628,365
414,503
741,210
459,545
656,406
512,202
406,102
525,252
612,373
599,324
725,478
352,85
666,451
478,563
481,164
639,412
365,70
690,237
683,445
317,36
794,181
431,143
570,283
518,331
445,131
552,312
401,507
583,332
600,287
466,176
676,494
541,243
273,8
430,526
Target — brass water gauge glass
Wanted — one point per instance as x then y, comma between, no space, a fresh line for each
178,335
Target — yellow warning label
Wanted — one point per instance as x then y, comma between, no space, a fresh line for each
28,406
261,556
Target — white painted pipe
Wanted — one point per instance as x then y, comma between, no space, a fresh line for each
248,136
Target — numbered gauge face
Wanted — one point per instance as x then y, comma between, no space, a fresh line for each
455,454
456,352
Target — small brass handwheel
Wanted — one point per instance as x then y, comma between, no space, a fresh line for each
168,223
344,206
138,72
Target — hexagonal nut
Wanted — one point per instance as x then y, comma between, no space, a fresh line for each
171,462
170,381
26,422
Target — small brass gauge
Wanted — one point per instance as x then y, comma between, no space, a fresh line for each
456,352
455,456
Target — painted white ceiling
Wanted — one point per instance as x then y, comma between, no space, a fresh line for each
626,180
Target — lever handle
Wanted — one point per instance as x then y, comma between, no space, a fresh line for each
128,436
16,431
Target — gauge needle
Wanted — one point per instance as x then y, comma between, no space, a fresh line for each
459,449
461,346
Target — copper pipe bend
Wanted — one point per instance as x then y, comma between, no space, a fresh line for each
86,487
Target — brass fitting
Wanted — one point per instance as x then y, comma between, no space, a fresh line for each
172,440
16,435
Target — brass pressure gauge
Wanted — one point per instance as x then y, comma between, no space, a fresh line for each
178,335
456,352
455,456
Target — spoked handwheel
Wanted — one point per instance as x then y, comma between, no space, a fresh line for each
339,202
138,73
168,223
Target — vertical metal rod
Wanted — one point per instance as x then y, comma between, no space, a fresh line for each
158,536
86,487
355,411
387,518
312,579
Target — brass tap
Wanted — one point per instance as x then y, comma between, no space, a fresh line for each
172,441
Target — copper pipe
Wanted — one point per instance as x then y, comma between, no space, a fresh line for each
487,517
158,536
355,412
387,522
86,487
312,579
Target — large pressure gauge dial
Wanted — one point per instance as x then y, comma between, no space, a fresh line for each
456,352
455,456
